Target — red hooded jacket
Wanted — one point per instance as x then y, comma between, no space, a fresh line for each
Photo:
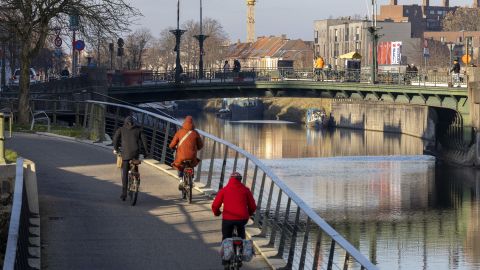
238,202
188,149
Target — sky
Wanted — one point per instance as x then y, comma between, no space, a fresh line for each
273,17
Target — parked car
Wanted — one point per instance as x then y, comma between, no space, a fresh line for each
16,76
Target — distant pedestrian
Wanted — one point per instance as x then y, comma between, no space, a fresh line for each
319,65
236,66
226,67
455,71
408,74
414,71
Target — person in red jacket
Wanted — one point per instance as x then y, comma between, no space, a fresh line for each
238,206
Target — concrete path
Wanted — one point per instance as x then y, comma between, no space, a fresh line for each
85,225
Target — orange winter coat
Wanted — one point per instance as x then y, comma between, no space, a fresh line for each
188,149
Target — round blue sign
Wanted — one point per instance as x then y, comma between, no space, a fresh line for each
79,45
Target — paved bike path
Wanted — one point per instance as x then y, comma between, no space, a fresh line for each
85,225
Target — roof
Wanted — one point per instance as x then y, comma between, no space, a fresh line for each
277,47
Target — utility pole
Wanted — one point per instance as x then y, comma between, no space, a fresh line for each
178,34
374,34
201,38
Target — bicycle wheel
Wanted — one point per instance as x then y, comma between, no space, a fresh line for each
184,188
129,186
190,187
134,191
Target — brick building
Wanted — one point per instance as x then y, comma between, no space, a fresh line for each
459,39
422,17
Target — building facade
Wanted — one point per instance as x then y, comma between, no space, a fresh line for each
422,17
266,52
335,37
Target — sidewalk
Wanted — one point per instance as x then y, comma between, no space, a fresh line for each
85,225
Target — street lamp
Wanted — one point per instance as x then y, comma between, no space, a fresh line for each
374,33
201,38
451,47
178,34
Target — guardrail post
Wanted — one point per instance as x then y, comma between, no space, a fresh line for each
86,116
199,167
259,201
224,165
265,222
293,240
10,123
301,266
245,172
2,139
235,162
281,245
54,112
77,114
330,256
165,143
318,248
210,170
273,233
154,136
254,179
345,263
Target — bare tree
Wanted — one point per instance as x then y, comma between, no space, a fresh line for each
464,18
136,44
32,21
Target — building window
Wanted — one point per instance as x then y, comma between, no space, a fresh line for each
316,36
357,33
407,11
336,35
432,12
459,40
346,34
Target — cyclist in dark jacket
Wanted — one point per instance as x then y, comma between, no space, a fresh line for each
131,138
238,206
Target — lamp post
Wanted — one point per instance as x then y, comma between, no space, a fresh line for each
451,46
374,34
178,34
201,38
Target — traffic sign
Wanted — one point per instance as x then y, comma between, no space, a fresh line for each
79,45
58,42
466,58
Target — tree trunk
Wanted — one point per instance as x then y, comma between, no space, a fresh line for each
24,87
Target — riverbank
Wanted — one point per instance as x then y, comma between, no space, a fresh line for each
286,109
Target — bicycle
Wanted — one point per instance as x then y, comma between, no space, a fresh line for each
187,187
236,260
133,181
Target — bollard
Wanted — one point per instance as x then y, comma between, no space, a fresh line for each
2,139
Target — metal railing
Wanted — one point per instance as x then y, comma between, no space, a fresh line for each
301,237
23,244
430,78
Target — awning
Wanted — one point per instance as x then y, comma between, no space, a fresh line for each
351,55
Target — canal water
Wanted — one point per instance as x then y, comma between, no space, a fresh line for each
376,189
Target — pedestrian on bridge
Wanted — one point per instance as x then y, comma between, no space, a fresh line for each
187,141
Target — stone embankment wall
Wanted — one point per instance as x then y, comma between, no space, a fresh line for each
286,109
415,120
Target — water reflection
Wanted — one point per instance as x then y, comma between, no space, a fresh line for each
275,141
401,211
